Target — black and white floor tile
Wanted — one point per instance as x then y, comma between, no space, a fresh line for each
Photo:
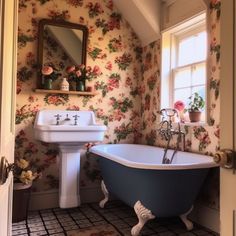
58,222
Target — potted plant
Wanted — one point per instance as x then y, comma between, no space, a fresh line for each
24,174
195,106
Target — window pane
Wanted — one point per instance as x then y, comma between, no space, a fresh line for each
182,95
201,91
186,51
192,49
200,46
199,74
182,78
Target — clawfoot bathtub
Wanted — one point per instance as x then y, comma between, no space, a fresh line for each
135,175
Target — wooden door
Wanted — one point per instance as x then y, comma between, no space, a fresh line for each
8,39
228,116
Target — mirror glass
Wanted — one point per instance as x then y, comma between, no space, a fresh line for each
61,44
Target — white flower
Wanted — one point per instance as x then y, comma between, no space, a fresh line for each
27,177
22,163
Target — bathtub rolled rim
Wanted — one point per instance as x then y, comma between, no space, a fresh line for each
153,166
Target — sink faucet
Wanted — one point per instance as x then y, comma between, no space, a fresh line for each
167,131
57,119
76,119
67,117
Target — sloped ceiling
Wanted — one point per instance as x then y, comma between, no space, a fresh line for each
143,16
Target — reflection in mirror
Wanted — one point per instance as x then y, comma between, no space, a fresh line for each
61,44
69,41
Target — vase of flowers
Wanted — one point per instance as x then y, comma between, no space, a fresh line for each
24,174
49,75
80,74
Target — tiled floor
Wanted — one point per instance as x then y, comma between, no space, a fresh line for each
57,222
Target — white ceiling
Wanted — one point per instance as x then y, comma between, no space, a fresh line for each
143,16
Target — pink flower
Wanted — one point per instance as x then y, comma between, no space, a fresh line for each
179,105
88,68
52,99
78,73
96,70
47,70
70,69
108,65
217,132
110,4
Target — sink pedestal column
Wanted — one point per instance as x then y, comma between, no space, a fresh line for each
69,175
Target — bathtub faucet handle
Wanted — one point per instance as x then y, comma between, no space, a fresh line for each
169,113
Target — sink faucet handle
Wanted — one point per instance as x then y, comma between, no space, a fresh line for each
57,118
76,118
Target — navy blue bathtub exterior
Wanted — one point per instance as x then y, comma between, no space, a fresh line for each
166,193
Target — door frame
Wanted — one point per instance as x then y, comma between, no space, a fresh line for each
227,116
8,70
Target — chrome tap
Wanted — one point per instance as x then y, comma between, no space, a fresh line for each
76,119
57,119
167,131
67,117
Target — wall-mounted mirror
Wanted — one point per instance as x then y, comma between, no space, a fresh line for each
61,44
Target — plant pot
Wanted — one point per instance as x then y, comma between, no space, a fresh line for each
21,197
194,116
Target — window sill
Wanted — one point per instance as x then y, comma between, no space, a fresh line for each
188,123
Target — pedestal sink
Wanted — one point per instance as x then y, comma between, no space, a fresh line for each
70,130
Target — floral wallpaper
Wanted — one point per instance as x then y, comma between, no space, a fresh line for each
113,47
202,139
128,89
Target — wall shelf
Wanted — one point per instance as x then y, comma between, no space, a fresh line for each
66,92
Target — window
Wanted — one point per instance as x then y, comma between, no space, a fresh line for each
184,53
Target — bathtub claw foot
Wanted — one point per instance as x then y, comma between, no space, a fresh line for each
106,195
143,215
186,221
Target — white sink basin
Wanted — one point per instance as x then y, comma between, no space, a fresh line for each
47,130
62,127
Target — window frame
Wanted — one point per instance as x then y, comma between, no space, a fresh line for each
170,40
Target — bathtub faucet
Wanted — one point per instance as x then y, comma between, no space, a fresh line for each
167,132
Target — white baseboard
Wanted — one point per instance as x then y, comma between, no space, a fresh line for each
50,199
207,217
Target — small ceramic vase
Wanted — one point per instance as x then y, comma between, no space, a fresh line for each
64,86
80,85
48,84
